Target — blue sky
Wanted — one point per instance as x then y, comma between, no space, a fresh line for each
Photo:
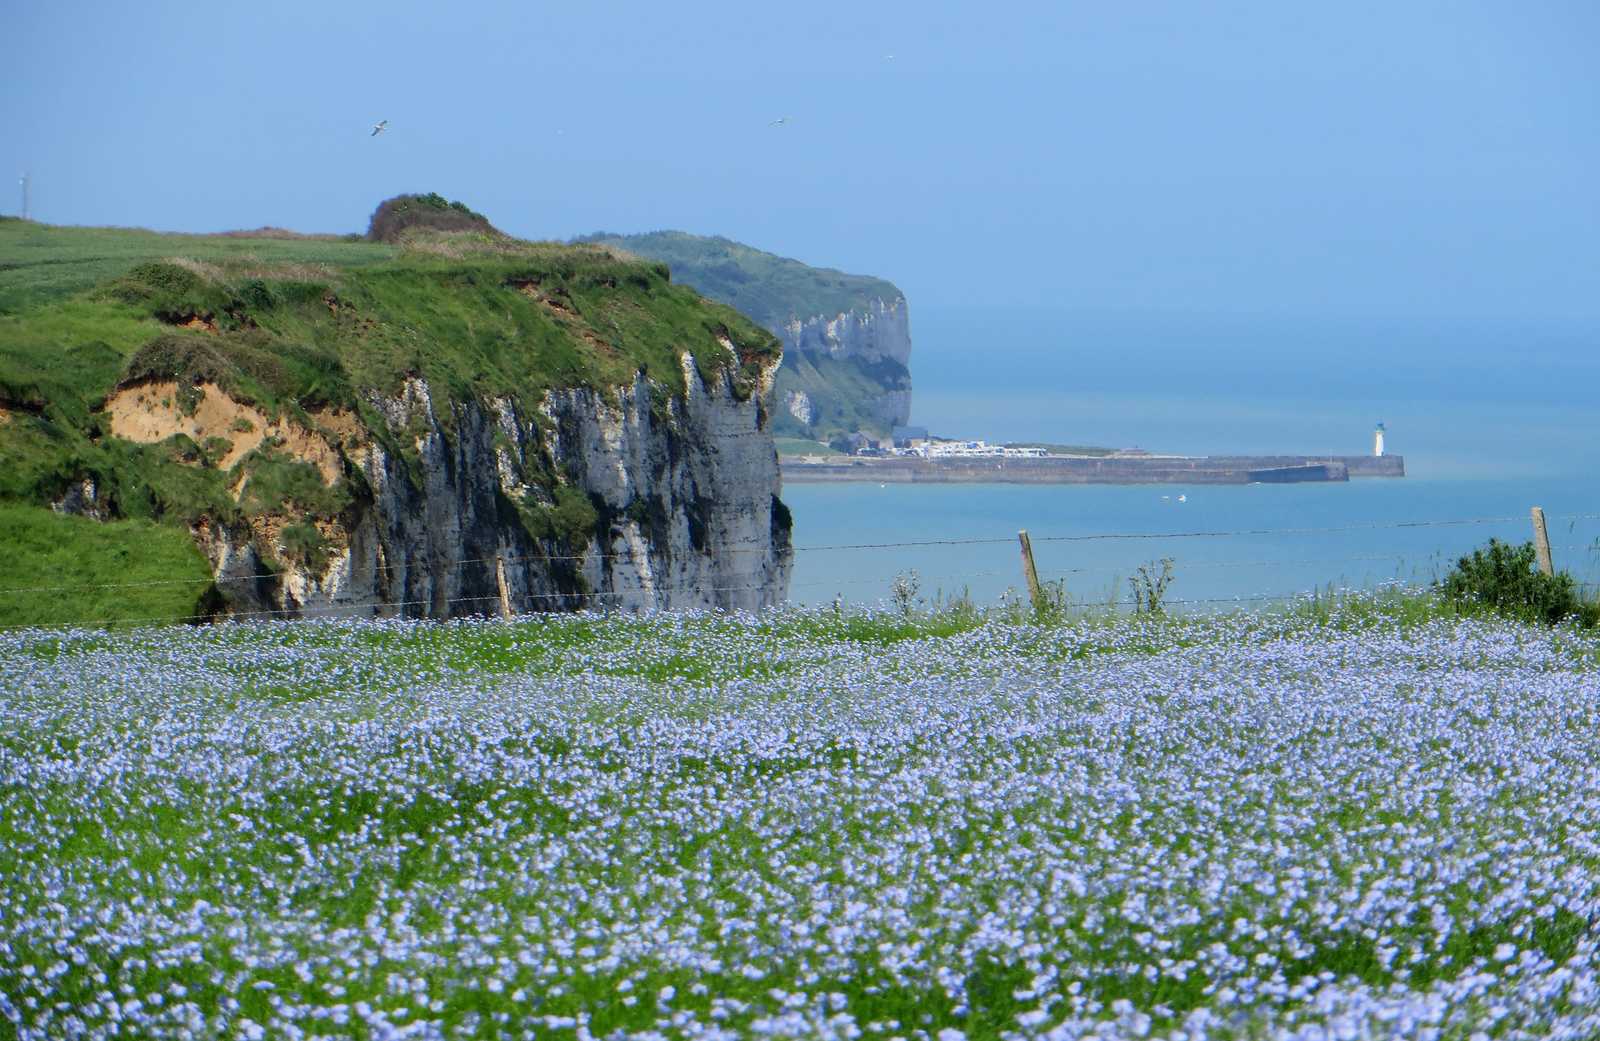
1397,160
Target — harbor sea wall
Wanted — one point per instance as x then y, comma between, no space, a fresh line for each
1266,469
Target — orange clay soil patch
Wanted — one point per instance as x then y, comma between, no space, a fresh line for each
148,412
198,324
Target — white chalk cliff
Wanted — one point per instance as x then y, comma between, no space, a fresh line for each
847,371
684,500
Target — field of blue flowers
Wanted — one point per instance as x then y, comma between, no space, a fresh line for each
804,824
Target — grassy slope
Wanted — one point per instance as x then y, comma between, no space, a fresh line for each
769,288
305,323
59,570
803,446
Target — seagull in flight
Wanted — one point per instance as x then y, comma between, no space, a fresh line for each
379,127
780,121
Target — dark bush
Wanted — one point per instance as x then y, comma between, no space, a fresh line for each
782,521
184,358
257,295
433,212
156,280
1506,580
172,292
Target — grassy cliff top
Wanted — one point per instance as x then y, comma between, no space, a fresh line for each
82,309
769,288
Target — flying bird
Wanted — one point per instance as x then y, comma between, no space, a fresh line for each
780,121
379,127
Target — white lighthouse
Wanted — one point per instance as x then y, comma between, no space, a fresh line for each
1377,441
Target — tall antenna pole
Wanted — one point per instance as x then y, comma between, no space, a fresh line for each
24,180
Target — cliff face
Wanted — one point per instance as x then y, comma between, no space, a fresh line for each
846,372
683,511
878,331
846,338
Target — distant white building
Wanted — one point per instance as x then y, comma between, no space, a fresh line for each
1377,441
979,449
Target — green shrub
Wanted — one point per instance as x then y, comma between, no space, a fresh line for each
275,480
304,545
574,514
174,293
1505,579
570,519
257,295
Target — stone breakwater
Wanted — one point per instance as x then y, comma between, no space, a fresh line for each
1267,469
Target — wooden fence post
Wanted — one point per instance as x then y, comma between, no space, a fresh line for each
1028,571
500,580
1541,542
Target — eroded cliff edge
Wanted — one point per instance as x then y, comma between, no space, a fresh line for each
443,429
656,508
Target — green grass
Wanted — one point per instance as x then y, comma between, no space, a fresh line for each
58,570
41,263
373,312
803,446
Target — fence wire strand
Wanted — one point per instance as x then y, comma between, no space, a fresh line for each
433,568
615,597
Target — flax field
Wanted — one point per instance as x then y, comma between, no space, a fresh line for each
1345,824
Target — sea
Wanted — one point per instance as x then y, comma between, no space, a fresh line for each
1492,417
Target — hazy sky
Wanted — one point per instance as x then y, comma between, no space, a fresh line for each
1392,159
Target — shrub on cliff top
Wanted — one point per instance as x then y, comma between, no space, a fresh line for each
174,293
431,212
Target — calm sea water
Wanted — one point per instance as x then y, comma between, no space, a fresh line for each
1491,421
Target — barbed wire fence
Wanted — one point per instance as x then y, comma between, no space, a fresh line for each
495,603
